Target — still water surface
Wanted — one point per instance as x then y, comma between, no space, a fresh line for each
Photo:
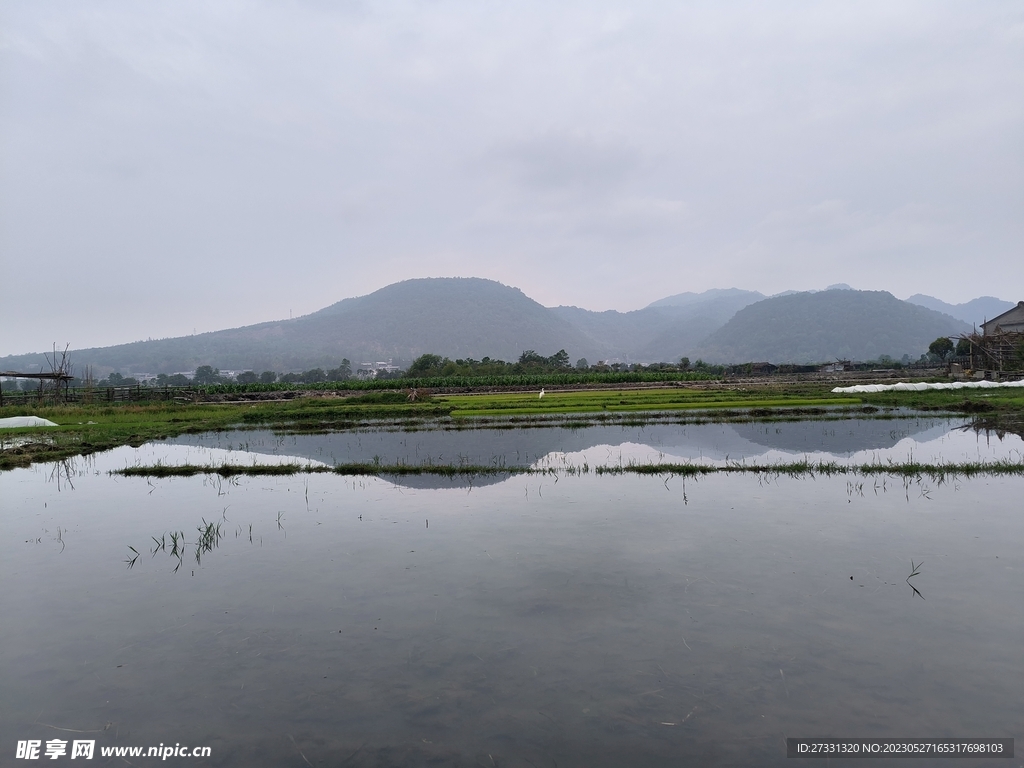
588,621
936,440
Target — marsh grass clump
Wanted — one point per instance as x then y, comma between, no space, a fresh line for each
210,535
223,470
910,470
915,569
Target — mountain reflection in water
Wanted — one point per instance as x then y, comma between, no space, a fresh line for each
941,438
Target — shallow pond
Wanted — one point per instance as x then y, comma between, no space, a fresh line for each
936,440
583,621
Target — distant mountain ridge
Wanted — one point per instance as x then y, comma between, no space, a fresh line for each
474,317
976,311
664,330
457,317
689,299
828,325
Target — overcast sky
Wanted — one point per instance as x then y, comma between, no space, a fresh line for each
174,166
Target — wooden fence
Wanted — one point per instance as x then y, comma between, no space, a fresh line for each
135,393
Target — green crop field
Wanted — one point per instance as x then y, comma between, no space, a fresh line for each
592,401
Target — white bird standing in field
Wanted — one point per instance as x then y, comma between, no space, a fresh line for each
541,393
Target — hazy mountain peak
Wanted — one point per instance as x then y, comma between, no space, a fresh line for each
428,289
976,311
689,298
825,325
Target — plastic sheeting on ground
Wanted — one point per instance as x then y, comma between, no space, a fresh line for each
923,385
25,421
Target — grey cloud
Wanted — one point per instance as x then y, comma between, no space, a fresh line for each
282,156
559,162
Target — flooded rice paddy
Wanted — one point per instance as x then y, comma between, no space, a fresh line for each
848,441
539,620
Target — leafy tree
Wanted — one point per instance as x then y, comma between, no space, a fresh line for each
206,374
529,360
426,365
248,377
530,356
115,379
684,364
560,359
941,348
963,348
174,380
268,377
582,364
342,372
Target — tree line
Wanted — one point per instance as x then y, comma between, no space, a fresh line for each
529,363
532,363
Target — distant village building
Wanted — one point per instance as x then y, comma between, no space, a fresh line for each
1000,345
372,370
837,367
1011,321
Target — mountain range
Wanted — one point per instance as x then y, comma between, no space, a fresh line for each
976,311
474,318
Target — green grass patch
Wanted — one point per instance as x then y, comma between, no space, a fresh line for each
957,400
567,378
632,400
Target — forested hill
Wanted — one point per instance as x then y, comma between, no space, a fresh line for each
456,317
476,318
828,325
663,331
